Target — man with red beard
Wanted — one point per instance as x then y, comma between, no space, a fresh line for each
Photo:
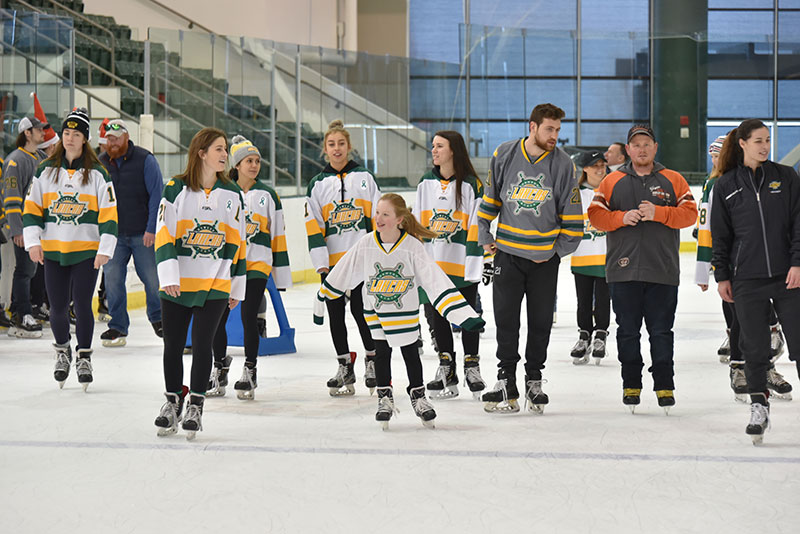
138,185
533,192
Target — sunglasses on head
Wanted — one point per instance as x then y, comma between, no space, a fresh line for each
113,127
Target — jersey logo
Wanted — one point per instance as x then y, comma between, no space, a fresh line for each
345,216
775,187
251,228
389,285
68,209
590,231
658,192
529,194
444,225
204,240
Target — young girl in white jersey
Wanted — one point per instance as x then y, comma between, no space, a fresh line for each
393,266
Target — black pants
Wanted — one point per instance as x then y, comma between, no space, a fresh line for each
444,334
383,364
594,304
734,338
336,311
24,271
81,277
38,289
254,293
175,319
515,278
753,311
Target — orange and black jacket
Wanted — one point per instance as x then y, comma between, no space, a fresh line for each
648,251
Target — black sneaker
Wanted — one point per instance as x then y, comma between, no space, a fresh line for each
113,338
158,329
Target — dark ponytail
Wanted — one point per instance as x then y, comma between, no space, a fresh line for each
461,162
732,154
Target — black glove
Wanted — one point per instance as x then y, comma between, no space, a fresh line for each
694,232
488,273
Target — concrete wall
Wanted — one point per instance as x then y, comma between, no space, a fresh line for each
383,27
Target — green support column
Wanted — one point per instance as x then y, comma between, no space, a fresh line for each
680,80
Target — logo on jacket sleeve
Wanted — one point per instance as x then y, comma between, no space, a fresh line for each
345,216
389,285
204,240
529,194
67,208
444,225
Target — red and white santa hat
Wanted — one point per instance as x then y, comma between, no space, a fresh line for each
50,135
102,131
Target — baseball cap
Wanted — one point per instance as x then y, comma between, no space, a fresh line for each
31,122
641,129
116,128
590,158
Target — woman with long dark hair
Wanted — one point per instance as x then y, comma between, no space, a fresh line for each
755,225
447,204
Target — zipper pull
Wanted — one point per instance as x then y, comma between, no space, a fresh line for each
758,196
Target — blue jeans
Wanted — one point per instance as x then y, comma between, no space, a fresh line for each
656,304
21,284
144,260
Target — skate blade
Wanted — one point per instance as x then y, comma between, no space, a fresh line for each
119,342
103,317
581,360
21,334
85,386
384,425
447,393
632,408
190,435
246,394
741,397
666,410
429,424
780,396
476,395
347,391
597,360
538,409
371,391
758,439
161,432
60,384
219,392
512,406
724,358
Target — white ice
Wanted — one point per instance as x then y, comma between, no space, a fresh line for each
297,460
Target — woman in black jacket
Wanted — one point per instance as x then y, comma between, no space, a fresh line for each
756,253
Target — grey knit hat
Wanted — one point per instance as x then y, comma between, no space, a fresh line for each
241,148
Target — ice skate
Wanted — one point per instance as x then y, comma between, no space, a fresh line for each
739,384
219,377
341,385
83,367
445,383
386,407
472,375
422,407
25,327
759,418
724,350
503,397
5,323
42,314
581,349
246,386
113,338
170,415
535,398
63,363
778,387
369,372
193,420
631,397
158,328
776,343
102,312
666,399
599,346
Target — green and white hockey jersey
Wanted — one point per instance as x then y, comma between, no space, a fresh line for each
266,236
703,265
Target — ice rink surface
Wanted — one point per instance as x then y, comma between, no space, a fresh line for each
298,460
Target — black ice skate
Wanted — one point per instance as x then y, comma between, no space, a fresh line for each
193,420
386,407
738,384
422,407
83,367
776,343
171,412
631,398
472,375
113,338
581,349
778,387
369,372
42,314
724,350
219,377
759,418
535,398
25,327
445,383
341,385
246,386
503,397
63,363
666,399
599,346
102,311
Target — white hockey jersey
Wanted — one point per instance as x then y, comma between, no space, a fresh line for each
590,257
392,281
266,236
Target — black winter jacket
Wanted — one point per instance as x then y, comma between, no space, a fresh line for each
756,222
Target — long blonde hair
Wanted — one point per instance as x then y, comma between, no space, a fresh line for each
410,223
337,126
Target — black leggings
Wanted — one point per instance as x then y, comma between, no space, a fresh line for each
383,364
594,304
249,310
336,311
81,277
444,334
175,319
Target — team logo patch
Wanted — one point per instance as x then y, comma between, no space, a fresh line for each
204,240
589,229
775,186
389,285
444,225
623,262
67,209
529,194
345,216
